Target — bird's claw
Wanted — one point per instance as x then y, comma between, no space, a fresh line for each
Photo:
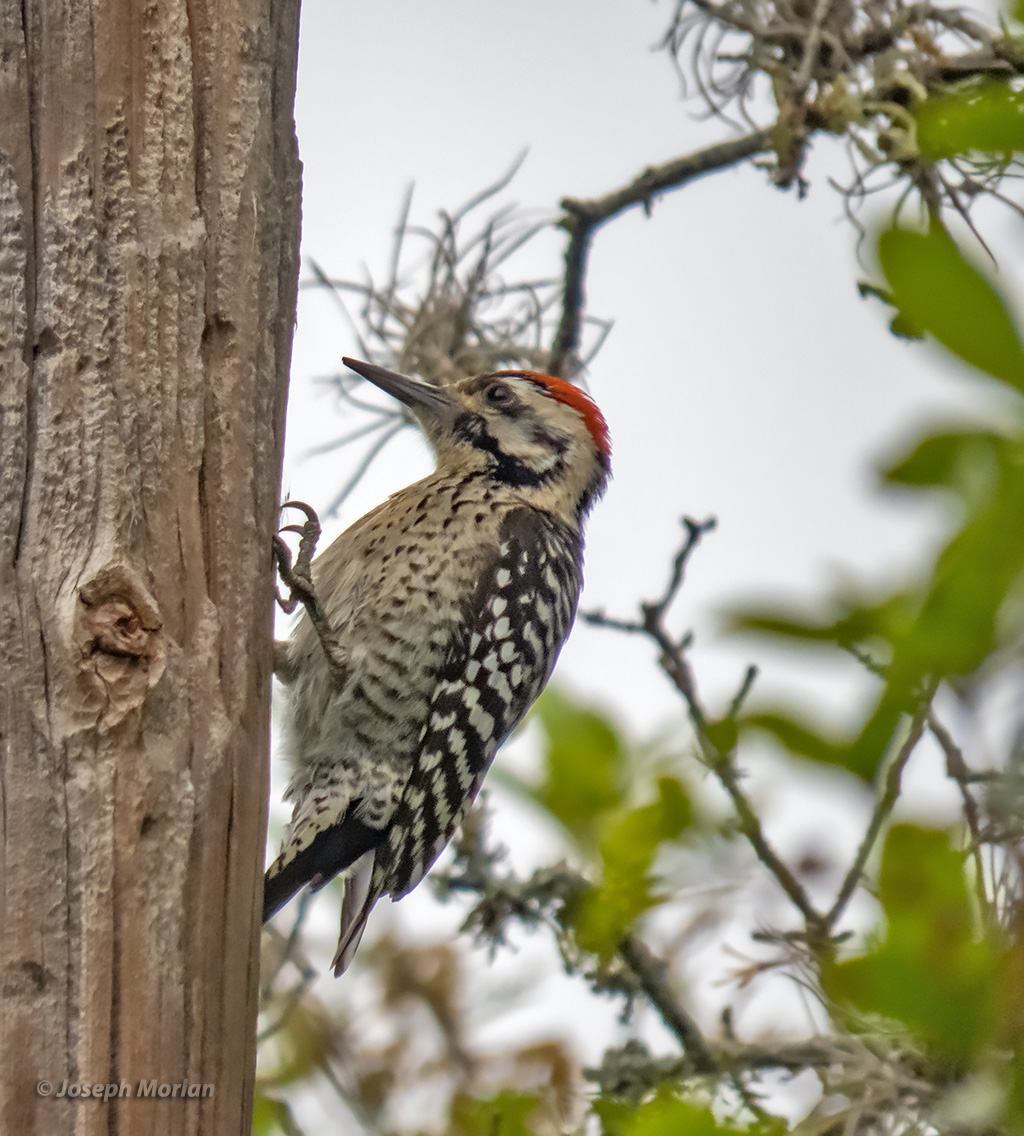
309,533
311,514
298,576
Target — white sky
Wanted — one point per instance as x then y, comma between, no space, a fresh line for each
744,377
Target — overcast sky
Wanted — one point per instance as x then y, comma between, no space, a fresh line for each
743,378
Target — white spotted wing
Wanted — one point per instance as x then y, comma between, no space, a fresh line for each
517,621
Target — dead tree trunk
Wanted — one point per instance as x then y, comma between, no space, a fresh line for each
149,205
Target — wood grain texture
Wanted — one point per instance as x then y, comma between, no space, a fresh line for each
149,219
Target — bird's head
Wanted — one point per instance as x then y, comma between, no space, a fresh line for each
525,429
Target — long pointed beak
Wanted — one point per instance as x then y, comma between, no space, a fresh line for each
430,404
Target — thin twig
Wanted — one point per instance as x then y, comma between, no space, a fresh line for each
750,825
654,610
959,771
650,973
695,530
811,45
721,763
290,952
749,678
883,808
599,619
719,760
382,419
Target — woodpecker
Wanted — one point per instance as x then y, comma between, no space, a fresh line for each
441,614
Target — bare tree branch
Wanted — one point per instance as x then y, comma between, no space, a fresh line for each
582,217
718,757
650,973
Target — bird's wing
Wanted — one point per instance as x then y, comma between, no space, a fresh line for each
516,623
498,662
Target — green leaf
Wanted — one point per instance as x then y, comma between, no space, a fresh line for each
628,847
665,1115
783,626
799,738
957,622
505,1114
613,1114
861,754
988,116
723,734
938,290
270,1116
585,764
957,625
852,620
963,461
930,973
881,626
951,622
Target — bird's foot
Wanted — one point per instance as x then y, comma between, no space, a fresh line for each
298,577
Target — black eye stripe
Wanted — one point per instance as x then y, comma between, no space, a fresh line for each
506,467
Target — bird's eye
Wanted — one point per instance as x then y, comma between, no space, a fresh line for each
500,395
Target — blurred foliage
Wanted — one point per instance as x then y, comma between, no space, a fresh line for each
590,781
617,807
933,972
271,1115
625,890
586,766
917,1023
405,1038
665,1115
925,95
948,623
507,1113
987,116
940,292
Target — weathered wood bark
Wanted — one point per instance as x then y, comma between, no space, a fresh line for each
149,202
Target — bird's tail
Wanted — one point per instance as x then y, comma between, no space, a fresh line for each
331,851
356,906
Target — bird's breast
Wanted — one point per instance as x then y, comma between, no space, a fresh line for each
394,587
